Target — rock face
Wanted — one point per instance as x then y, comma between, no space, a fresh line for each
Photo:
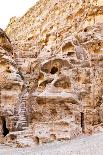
52,73
11,85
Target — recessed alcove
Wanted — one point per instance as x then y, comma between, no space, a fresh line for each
54,70
5,129
82,122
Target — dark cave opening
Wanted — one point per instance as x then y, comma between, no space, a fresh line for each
70,53
37,140
82,122
5,129
54,70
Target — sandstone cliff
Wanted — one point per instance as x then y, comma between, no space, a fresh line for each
56,59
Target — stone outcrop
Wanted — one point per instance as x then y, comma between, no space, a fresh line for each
11,84
52,70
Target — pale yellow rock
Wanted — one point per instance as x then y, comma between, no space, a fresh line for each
52,81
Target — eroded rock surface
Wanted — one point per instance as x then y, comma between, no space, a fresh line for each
11,85
56,57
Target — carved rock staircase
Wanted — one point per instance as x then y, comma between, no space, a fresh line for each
22,122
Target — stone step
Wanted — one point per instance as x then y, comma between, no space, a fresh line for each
22,106
22,118
23,99
23,109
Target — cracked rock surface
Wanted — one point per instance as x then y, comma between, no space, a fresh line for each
51,71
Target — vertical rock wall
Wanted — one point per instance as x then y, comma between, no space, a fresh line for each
58,52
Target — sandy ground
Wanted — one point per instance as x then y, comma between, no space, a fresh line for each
88,145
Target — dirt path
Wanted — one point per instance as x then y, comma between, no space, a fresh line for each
91,145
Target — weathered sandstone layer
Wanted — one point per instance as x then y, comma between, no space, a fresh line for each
52,70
